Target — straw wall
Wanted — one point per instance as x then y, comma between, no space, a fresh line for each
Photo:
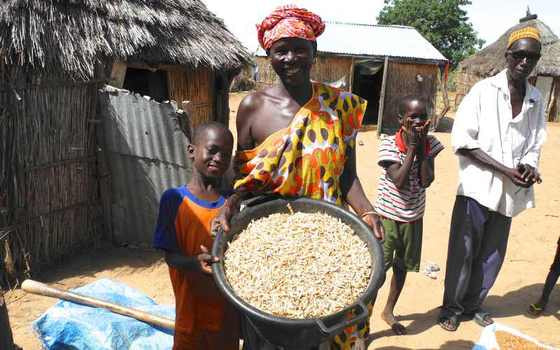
402,81
195,85
265,74
332,68
326,69
49,201
464,82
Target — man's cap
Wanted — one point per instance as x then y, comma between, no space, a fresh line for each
523,33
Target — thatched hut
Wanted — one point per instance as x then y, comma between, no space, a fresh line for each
491,60
54,56
381,63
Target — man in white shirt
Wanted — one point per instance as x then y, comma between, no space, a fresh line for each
498,133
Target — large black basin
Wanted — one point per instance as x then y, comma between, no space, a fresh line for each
299,334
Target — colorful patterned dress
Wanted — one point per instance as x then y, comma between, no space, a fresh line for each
307,158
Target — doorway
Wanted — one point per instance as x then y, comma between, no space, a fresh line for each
367,83
147,83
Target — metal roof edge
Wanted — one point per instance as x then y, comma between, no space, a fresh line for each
371,25
382,57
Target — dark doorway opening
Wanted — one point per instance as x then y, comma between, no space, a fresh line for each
147,83
367,83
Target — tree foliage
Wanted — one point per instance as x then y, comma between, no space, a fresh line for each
444,23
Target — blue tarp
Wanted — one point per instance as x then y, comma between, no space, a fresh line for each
71,326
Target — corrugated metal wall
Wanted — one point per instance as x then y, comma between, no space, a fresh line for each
402,81
195,85
49,199
146,153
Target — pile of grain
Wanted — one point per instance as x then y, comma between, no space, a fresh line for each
508,341
304,265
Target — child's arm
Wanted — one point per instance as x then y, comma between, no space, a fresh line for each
202,262
165,237
427,171
399,173
427,168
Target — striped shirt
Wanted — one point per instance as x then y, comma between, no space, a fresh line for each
407,204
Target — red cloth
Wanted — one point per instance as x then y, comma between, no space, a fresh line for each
399,140
289,21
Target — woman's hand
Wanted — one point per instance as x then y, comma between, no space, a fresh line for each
230,208
373,221
223,219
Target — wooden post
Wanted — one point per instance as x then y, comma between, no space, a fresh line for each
553,103
439,117
103,170
6,338
351,78
186,121
382,96
118,73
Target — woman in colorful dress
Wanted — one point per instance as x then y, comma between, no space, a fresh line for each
297,138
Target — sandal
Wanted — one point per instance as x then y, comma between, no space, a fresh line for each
482,318
535,309
398,329
449,322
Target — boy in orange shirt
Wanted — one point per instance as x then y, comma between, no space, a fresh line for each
204,319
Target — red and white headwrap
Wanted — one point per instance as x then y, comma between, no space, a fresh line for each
289,21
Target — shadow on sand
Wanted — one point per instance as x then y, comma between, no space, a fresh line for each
421,322
511,304
450,345
516,302
105,256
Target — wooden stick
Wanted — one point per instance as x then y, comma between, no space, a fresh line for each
34,287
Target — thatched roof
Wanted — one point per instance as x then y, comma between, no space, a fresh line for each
71,36
490,60
549,64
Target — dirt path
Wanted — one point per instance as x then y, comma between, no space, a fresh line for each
530,252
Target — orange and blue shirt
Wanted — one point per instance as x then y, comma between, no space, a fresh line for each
184,224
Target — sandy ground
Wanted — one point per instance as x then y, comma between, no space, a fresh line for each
531,249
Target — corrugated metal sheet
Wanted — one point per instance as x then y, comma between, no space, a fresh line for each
375,40
146,152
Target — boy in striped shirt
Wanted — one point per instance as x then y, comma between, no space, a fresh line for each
407,159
